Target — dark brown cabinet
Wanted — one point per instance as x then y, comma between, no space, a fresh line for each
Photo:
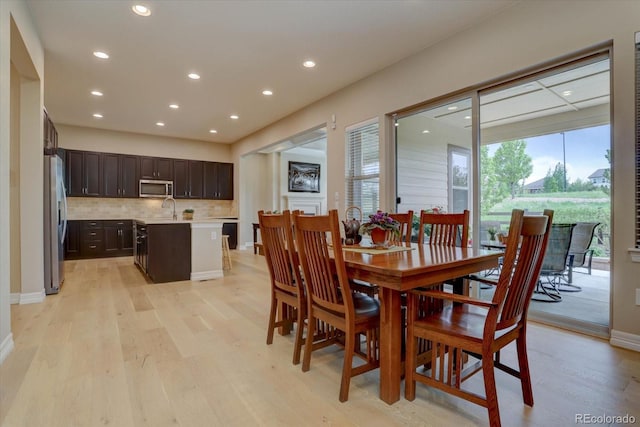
72,240
98,238
218,181
50,135
118,237
83,173
120,175
163,251
188,179
96,174
156,168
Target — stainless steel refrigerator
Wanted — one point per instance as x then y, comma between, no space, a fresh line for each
55,223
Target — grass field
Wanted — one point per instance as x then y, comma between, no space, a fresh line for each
588,206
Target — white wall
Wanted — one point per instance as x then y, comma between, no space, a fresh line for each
524,36
29,62
108,141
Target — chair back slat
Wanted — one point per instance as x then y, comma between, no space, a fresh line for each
279,249
526,245
445,229
325,278
406,227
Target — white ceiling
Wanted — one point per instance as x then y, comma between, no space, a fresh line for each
238,47
578,89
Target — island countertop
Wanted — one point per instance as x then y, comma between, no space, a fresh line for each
148,221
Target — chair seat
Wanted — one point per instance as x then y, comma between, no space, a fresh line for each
365,306
461,321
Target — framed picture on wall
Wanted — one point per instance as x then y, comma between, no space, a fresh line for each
304,177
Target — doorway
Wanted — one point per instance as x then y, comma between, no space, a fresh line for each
545,144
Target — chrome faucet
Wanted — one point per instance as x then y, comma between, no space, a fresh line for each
171,199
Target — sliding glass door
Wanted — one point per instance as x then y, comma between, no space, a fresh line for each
545,144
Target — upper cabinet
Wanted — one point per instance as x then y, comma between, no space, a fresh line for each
156,168
117,175
187,179
50,135
218,181
120,175
84,173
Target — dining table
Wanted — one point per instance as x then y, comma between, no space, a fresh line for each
397,270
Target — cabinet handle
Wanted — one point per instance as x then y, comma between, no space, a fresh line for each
92,246
93,234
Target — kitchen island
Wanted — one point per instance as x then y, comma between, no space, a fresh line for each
169,250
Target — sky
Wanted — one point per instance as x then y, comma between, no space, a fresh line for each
585,151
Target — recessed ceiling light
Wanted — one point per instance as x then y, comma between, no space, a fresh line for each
453,107
213,131
467,117
193,76
267,92
567,93
174,106
101,55
234,117
141,10
426,131
97,115
96,93
309,64
160,124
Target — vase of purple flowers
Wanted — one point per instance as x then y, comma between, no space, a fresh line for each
380,227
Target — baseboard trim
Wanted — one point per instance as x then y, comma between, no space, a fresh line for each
14,298
6,347
625,340
32,297
207,275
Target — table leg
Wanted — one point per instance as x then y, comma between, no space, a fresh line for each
390,345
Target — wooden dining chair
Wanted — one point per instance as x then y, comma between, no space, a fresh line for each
330,298
406,226
446,229
482,328
288,299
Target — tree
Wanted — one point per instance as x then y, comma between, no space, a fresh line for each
492,191
580,185
512,164
554,181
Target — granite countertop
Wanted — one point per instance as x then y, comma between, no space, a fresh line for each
148,221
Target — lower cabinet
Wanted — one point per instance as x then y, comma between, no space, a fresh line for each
231,229
163,251
98,239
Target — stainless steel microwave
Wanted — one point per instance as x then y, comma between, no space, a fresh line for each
156,188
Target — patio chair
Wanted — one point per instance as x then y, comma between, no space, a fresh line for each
580,246
555,269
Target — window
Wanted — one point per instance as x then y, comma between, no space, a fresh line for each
637,140
459,182
362,167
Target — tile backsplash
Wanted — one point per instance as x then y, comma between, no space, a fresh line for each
107,208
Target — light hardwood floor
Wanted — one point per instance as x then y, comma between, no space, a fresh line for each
112,349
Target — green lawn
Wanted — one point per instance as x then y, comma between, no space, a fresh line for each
576,207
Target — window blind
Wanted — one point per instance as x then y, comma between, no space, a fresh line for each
637,140
362,167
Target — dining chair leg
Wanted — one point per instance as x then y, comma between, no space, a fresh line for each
490,391
298,340
349,345
308,346
523,363
272,319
